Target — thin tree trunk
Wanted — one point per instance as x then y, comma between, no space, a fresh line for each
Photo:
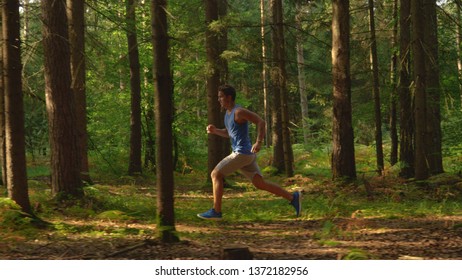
223,70
148,110
277,139
164,120
301,76
433,90
134,166
280,82
222,6
376,89
394,94
2,111
406,149
26,17
266,101
421,167
459,47
150,150
215,143
76,16
343,152
65,154
14,108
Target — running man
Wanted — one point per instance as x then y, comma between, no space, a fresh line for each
243,156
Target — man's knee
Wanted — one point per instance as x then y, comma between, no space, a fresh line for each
258,181
216,175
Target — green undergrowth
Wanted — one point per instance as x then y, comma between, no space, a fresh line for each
126,205
123,210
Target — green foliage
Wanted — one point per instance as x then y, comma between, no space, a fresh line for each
113,215
329,230
12,219
357,254
452,140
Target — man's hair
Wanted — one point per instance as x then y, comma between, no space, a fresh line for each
228,90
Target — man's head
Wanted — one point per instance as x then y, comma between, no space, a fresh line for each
228,91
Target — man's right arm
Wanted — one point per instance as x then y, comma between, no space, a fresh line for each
211,129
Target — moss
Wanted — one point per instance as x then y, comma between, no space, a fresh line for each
114,215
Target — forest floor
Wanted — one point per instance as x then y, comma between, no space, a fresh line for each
358,234
419,238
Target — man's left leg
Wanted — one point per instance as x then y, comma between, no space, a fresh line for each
293,198
271,187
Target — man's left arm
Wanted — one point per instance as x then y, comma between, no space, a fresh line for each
246,115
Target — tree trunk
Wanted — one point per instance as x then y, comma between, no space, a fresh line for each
421,167
459,47
376,89
148,110
301,75
394,94
14,108
65,154
164,118
2,112
150,149
406,149
433,89
26,17
277,139
343,151
76,17
266,101
212,45
280,84
134,166
222,6
224,71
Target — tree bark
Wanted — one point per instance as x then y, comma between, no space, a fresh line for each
224,71
14,107
76,17
264,75
214,116
2,111
433,90
406,149
343,156
280,85
393,95
301,75
164,119
459,48
421,167
134,166
26,17
376,91
65,154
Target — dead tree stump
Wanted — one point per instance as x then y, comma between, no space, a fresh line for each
236,253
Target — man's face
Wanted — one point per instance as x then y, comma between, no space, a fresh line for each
224,100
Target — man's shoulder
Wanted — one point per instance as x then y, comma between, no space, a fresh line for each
240,114
241,111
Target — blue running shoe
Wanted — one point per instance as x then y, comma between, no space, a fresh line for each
297,202
210,215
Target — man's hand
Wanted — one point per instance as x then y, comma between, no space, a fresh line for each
256,147
211,129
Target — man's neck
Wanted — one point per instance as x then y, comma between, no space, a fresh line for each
231,107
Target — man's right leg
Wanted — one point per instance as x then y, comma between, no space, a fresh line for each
215,212
228,165
217,181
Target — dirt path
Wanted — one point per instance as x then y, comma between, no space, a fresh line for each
425,238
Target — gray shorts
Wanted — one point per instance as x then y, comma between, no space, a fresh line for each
246,164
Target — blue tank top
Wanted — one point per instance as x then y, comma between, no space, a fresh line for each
238,133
